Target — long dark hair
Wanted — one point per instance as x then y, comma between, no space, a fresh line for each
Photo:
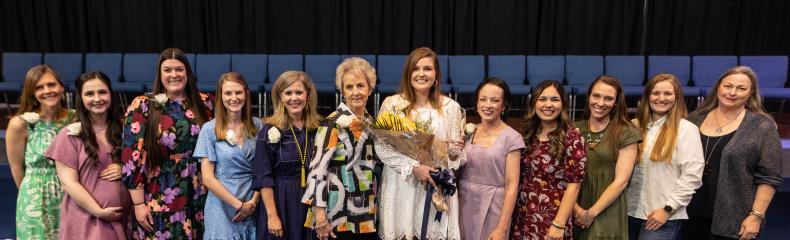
193,102
114,115
618,116
532,121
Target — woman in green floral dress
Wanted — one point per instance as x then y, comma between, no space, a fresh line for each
41,115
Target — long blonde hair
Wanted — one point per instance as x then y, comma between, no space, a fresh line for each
667,138
221,115
280,118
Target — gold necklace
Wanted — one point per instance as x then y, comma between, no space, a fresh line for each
302,154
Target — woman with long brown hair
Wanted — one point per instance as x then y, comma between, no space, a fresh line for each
611,141
225,147
92,208
551,167
42,113
404,180
159,137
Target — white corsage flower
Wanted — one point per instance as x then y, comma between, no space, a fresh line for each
30,117
74,128
161,98
230,136
470,128
343,121
274,135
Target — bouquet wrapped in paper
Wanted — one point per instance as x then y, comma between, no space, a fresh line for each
412,139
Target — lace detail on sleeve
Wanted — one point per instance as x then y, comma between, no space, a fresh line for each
392,159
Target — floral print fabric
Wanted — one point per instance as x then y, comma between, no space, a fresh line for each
40,195
543,183
173,193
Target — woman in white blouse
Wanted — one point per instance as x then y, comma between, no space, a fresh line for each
670,162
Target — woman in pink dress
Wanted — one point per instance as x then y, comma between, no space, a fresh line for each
489,180
92,208
552,167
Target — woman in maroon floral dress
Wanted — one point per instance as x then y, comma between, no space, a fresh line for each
159,135
552,167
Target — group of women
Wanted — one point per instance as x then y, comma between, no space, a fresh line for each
181,164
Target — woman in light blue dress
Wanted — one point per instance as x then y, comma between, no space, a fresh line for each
226,147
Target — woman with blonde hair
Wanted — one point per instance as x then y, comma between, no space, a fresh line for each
342,184
225,148
669,167
283,153
742,158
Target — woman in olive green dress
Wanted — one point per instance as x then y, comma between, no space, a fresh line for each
611,141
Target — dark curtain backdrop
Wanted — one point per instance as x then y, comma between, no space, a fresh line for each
398,26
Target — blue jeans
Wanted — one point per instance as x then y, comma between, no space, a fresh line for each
669,231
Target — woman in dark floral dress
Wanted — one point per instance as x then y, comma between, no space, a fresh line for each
159,136
551,170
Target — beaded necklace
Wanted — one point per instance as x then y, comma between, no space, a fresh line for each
302,154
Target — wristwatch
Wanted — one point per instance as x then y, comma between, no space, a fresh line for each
668,209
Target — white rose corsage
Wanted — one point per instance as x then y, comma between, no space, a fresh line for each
470,128
30,117
230,137
343,121
74,129
161,98
274,135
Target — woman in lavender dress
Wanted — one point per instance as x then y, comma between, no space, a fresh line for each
489,181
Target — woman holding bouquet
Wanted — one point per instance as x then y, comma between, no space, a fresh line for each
405,180
551,169
341,186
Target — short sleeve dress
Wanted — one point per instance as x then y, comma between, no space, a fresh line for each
482,185
277,165
76,222
612,222
233,169
544,180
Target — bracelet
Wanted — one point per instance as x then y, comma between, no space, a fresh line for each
139,203
758,215
321,224
557,225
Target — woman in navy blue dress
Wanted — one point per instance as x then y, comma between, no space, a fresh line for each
284,149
